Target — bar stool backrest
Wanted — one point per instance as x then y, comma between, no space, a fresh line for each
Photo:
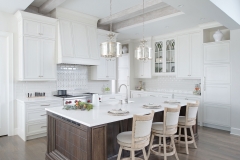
141,130
191,113
171,116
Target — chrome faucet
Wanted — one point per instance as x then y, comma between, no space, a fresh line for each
126,100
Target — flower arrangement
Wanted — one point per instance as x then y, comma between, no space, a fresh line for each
79,105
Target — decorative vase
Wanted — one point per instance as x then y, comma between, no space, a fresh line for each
125,49
218,36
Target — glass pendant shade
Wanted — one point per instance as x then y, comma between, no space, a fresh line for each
111,49
143,52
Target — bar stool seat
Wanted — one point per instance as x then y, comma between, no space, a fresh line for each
125,139
182,121
157,127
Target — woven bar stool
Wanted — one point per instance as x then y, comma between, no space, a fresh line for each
163,130
186,122
138,138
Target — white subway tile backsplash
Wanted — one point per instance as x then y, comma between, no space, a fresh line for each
73,78
169,83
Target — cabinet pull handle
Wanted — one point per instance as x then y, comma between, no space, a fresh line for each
43,126
45,105
43,114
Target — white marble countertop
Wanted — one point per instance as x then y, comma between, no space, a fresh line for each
33,99
99,115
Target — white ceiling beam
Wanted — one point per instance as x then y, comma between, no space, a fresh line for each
150,5
49,5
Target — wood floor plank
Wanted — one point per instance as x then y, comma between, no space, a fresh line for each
212,145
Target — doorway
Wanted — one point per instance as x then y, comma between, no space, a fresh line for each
6,84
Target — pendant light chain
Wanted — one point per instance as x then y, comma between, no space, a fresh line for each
143,19
111,16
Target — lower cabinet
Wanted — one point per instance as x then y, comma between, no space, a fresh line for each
32,118
135,94
113,97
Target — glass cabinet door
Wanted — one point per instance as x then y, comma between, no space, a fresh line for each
170,56
158,57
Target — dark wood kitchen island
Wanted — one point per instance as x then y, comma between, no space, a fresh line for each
91,135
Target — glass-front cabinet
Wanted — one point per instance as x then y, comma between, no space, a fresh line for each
164,57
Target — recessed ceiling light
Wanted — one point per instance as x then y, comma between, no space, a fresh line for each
180,5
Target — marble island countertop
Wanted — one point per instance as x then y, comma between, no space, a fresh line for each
175,92
99,115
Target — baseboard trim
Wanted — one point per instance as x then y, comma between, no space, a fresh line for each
235,131
15,131
216,126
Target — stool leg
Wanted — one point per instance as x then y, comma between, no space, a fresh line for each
193,138
174,147
150,145
165,148
186,140
160,142
132,154
179,135
119,153
144,154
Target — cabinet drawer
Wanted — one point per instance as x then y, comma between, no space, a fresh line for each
45,104
37,128
36,115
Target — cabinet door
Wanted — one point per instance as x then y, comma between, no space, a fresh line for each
66,38
217,94
48,66
217,74
138,66
183,58
31,28
147,69
32,56
102,69
48,31
111,68
92,42
216,52
80,40
196,68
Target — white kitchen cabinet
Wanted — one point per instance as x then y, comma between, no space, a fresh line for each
93,43
135,94
41,30
37,60
106,70
217,85
217,52
48,60
217,74
142,69
189,56
32,117
80,40
164,57
31,58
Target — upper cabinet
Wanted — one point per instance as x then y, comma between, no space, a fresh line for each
37,60
189,56
164,56
106,70
77,38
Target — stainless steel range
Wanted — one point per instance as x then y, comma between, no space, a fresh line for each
71,99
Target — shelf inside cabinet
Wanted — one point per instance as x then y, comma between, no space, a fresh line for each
209,32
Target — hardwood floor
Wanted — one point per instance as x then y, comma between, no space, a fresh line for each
212,145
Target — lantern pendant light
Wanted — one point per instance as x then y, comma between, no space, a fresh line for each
143,52
111,48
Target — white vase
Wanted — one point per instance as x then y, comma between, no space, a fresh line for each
125,49
218,36
95,100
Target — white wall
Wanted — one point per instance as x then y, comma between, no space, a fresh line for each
235,87
230,7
